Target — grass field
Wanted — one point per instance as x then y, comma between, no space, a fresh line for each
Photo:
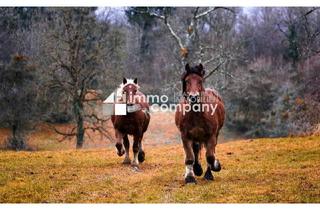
257,170
262,170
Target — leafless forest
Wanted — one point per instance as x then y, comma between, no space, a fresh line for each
57,62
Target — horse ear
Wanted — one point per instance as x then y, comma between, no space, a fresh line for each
183,87
187,68
135,81
200,67
124,80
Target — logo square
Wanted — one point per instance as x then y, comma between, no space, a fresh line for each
120,109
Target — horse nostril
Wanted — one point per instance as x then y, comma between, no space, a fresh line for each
193,99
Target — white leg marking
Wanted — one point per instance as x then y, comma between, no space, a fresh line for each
127,155
135,159
127,159
189,171
216,164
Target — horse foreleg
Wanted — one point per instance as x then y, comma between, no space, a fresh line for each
135,148
197,169
119,143
126,144
189,161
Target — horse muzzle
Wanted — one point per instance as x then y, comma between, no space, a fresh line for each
194,99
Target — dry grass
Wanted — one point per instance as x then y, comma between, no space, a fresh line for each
264,170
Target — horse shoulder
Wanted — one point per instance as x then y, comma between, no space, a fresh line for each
214,97
213,93
142,100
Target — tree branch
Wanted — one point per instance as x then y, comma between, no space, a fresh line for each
165,19
210,60
205,12
215,69
177,38
69,134
211,10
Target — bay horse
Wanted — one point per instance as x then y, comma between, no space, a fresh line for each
134,123
201,125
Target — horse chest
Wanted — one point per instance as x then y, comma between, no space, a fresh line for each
128,126
196,127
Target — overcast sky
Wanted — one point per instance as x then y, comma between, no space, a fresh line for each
117,14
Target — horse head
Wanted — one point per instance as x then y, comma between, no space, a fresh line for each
192,83
129,88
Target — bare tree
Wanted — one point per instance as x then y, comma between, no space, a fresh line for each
301,30
192,49
74,48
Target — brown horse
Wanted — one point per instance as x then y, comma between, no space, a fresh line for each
135,122
200,124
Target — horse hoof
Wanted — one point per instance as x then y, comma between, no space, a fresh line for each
190,180
136,168
134,164
197,169
120,153
216,166
141,156
208,175
120,150
126,161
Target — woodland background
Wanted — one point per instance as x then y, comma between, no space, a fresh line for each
265,63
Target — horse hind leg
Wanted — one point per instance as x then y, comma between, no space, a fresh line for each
212,163
126,144
216,165
210,160
141,154
197,166
135,148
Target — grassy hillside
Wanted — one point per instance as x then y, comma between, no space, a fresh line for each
262,170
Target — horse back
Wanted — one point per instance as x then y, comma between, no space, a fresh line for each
215,98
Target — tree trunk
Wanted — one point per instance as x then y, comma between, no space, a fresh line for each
14,131
78,111
17,141
146,55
